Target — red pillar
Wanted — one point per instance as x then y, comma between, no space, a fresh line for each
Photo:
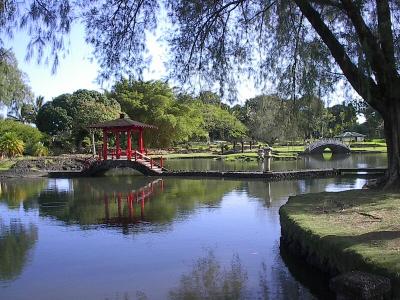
118,147
105,141
129,145
141,144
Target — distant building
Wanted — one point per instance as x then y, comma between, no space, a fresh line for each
351,137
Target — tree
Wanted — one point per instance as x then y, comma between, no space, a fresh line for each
29,111
68,116
310,117
305,46
344,118
262,117
373,125
154,102
220,124
13,87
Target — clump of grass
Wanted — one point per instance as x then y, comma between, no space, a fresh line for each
6,164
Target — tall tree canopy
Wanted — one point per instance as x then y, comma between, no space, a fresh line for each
304,46
14,89
154,102
69,115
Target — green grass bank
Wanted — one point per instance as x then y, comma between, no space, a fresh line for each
340,232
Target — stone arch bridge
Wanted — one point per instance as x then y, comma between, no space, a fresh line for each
335,145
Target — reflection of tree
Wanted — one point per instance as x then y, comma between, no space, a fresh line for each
13,192
107,200
15,242
208,280
272,191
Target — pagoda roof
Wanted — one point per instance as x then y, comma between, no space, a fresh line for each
122,122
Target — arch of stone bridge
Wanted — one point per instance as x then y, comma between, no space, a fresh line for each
97,168
335,146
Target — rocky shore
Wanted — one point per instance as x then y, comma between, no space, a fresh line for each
40,166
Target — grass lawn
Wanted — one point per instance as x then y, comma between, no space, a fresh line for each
382,149
188,155
295,149
357,229
246,155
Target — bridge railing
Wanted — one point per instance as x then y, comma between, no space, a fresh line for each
153,162
330,141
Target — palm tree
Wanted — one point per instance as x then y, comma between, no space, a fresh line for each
39,103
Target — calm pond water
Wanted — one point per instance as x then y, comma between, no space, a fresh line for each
139,238
305,162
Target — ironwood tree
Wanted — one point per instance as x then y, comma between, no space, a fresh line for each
303,46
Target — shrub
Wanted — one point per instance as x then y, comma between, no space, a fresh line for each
40,150
11,145
26,133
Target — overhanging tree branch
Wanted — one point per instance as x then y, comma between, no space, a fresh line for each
364,85
386,34
368,41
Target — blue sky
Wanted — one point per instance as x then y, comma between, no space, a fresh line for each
77,71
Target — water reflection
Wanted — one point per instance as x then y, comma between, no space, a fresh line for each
117,201
16,242
165,225
209,280
16,191
117,211
354,160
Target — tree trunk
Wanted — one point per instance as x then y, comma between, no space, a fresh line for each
392,134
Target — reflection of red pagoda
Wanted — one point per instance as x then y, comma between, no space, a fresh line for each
130,202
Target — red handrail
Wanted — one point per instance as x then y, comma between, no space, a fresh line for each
146,158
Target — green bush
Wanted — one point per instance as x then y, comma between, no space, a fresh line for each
40,150
26,133
11,145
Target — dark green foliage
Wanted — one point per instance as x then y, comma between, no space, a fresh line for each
220,123
344,118
68,116
16,242
154,103
13,87
52,119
